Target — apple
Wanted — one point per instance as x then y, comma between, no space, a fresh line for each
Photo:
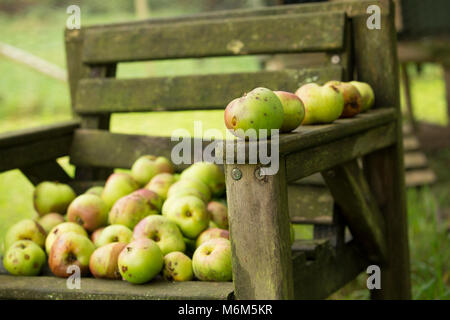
161,230
117,186
189,214
212,260
52,197
218,213
50,220
208,173
26,229
161,184
60,229
131,209
366,92
154,200
69,249
294,110
24,258
103,261
96,234
97,190
114,233
148,166
352,98
177,267
140,261
89,211
190,187
323,104
211,233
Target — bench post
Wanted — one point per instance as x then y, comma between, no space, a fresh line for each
259,230
377,63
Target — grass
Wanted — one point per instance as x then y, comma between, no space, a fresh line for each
30,99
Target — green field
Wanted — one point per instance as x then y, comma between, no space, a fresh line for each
28,99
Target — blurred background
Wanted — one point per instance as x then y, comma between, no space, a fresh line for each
32,29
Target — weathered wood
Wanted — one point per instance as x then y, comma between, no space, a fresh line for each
335,231
236,36
259,230
188,92
329,271
418,178
375,50
28,154
18,137
309,204
52,288
411,143
407,95
311,248
325,156
415,160
359,209
45,171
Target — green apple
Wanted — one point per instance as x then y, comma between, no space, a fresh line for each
366,92
96,234
64,227
89,211
97,190
26,229
177,267
131,209
212,260
190,187
148,166
189,214
294,110
208,173
52,197
50,220
103,261
69,249
117,186
140,261
24,258
114,233
323,104
218,213
211,233
161,230
161,184
352,98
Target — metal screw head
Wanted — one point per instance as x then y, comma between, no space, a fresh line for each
335,59
236,173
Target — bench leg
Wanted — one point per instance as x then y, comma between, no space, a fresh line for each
259,230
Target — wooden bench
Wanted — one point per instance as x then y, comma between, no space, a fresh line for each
360,159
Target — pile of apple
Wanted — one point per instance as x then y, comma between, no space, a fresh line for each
265,109
140,224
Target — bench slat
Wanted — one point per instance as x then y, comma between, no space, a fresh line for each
188,92
195,39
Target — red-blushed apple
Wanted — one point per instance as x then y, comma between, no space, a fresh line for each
161,184
148,166
70,249
208,173
24,258
50,220
89,211
161,230
118,185
294,110
140,261
103,261
52,197
352,98
97,190
211,233
212,260
131,209
26,229
190,187
60,229
189,214
218,214
154,200
96,234
177,267
114,233
367,95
